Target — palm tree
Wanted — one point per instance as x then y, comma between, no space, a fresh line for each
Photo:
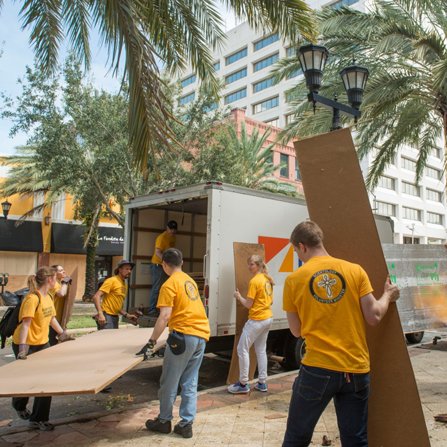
404,45
140,34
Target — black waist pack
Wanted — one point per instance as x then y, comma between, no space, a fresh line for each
176,341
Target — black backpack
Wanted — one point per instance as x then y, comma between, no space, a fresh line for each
10,321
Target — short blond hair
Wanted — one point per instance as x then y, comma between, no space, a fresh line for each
307,233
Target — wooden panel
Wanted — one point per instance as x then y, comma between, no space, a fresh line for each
83,366
242,251
337,200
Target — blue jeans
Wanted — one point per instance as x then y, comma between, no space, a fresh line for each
158,278
312,391
181,370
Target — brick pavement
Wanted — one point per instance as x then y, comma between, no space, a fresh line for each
254,420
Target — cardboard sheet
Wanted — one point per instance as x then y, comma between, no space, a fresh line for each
337,200
83,366
242,251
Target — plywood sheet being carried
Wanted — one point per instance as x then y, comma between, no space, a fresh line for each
337,200
242,251
83,366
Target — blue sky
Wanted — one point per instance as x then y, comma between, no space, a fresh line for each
17,54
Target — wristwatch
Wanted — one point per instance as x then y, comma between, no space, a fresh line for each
152,343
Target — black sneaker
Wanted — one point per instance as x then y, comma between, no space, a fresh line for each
183,430
157,425
23,414
40,425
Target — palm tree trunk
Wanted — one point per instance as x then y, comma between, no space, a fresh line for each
91,224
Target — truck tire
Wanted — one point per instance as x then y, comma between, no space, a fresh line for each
414,337
294,349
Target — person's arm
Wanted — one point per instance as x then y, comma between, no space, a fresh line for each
128,316
23,335
246,302
62,334
63,290
159,252
161,323
375,309
97,297
294,324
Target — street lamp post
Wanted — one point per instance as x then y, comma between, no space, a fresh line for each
6,206
313,59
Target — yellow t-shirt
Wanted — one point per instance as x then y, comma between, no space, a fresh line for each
260,290
326,292
115,290
188,313
58,301
41,313
163,242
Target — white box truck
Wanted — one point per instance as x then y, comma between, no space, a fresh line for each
210,218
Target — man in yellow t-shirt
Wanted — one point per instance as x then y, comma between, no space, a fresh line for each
181,309
58,294
328,301
110,297
164,241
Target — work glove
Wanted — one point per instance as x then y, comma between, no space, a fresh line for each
23,351
67,280
147,349
65,337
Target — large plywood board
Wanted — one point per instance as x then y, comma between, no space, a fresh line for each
337,200
83,366
242,251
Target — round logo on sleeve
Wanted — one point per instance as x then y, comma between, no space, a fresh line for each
327,286
268,288
191,290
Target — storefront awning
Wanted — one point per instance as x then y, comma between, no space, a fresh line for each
27,236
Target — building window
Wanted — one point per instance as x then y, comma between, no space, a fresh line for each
434,241
266,62
433,173
211,107
297,170
289,118
411,213
266,105
233,77
341,3
188,81
411,189
236,56
269,159
291,52
434,196
273,122
295,73
216,66
408,164
436,152
387,182
262,85
291,95
265,41
234,96
39,199
284,165
186,99
385,209
434,218
411,240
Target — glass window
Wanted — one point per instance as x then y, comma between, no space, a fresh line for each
273,122
289,118
234,96
408,164
212,107
291,52
284,166
434,218
233,77
262,85
385,209
436,152
291,95
340,3
297,170
266,105
265,41
387,182
411,240
433,195
216,66
433,173
411,213
295,73
411,189
186,99
266,62
236,56
188,81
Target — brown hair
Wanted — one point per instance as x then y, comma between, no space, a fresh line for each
262,267
40,278
308,233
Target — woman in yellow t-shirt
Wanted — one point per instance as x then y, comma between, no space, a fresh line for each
259,304
36,315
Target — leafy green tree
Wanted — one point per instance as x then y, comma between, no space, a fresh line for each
140,34
404,45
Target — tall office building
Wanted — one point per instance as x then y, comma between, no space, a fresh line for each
244,64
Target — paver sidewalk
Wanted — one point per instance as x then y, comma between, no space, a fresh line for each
254,420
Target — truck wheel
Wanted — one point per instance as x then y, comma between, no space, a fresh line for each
294,349
414,337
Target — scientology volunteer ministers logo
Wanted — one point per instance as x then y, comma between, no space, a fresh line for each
191,290
327,286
